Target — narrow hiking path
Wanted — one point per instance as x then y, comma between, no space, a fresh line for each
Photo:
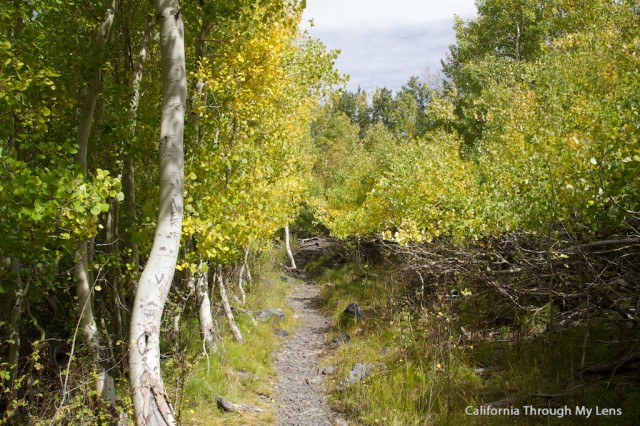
301,397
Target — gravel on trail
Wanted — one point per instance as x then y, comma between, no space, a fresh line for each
301,390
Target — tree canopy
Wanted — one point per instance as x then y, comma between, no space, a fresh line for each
533,129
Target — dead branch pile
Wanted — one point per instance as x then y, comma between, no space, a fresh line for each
520,273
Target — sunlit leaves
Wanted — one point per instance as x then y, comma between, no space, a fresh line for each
549,128
41,206
260,85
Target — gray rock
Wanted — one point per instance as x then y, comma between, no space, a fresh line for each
280,332
353,310
247,374
341,339
360,372
328,370
265,397
271,314
311,381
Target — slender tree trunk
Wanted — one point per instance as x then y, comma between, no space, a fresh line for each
207,326
89,107
105,384
244,270
227,308
128,174
137,74
31,378
177,322
129,189
116,273
518,55
247,269
150,400
199,85
120,309
289,252
14,324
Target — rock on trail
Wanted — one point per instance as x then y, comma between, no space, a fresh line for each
301,398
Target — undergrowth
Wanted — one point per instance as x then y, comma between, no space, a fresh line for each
243,373
433,362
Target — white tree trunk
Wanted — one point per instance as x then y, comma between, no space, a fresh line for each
227,309
105,384
137,75
150,400
128,173
89,107
244,269
247,270
204,312
286,243
199,85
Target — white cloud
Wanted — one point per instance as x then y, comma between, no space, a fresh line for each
362,13
383,43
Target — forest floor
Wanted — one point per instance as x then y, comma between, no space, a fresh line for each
302,399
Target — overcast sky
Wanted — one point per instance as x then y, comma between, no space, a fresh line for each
384,42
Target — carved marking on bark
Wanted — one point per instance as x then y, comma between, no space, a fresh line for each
144,340
151,403
176,217
164,141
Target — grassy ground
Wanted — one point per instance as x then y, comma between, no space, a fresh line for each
430,368
242,373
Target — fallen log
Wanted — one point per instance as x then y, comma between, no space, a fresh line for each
231,407
628,362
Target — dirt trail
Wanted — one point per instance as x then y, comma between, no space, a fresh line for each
301,398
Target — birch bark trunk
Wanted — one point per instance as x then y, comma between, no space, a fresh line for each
151,402
244,270
204,312
105,385
128,172
289,252
227,308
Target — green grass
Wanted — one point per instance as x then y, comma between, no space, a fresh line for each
430,370
241,372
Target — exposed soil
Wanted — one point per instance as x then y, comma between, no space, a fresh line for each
301,397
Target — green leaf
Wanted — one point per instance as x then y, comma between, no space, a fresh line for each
101,174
